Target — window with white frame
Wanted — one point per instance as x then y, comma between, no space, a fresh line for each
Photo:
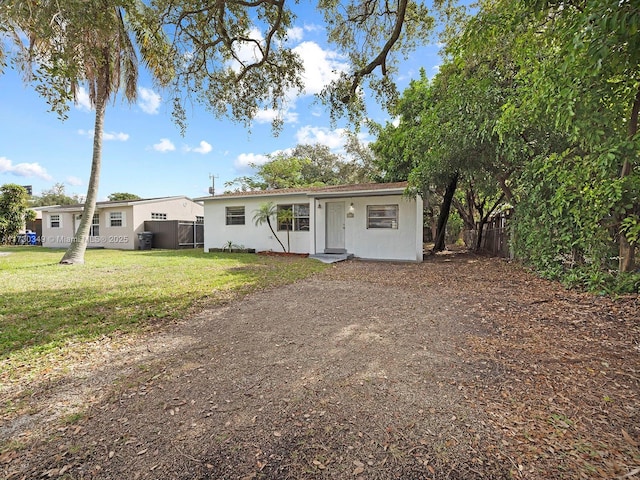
382,216
158,216
234,215
116,219
54,221
293,217
94,228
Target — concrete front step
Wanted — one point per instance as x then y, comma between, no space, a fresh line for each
331,257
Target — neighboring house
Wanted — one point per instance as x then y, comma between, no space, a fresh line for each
35,226
115,224
371,221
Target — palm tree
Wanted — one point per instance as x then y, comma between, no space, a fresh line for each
78,42
263,215
285,216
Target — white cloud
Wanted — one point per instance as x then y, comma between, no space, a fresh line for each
74,181
120,136
82,100
295,34
24,169
323,136
245,160
148,101
204,148
248,52
320,66
165,145
267,116
314,27
106,136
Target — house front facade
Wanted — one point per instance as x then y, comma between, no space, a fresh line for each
369,221
115,224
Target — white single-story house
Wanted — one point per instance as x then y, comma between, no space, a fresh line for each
115,224
369,221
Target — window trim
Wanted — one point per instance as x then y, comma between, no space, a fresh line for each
383,222
234,218
94,228
122,219
58,220
298,225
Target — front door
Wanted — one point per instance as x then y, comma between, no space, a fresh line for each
335,228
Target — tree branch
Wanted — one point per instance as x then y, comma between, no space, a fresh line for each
381,59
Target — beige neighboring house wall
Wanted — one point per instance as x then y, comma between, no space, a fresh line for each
117,223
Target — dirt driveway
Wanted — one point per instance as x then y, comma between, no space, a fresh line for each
462,367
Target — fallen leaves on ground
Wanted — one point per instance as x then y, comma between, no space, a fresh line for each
462,367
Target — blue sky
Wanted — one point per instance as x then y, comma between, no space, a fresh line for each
144,152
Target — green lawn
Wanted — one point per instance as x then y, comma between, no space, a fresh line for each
45,306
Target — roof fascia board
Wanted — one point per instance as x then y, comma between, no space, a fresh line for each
253,195
100,205
355,193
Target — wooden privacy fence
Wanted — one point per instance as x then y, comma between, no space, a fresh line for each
175,234
495,236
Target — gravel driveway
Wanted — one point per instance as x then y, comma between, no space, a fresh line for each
368,370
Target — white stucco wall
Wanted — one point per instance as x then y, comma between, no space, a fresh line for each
217,234
60,236
175,208
402,243
124,237
120,238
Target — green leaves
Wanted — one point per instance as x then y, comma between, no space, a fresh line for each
14,211
306,165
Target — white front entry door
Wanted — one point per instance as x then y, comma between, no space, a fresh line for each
335,228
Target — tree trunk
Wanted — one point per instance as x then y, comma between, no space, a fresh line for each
466,215
444,214
275,236
288,240
627,251
483,221
75,252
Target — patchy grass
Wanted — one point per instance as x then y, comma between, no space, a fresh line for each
46,306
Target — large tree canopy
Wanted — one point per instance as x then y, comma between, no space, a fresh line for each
540,99
14,211
121,196
578,67
56,195
234,56
231,56
304,166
